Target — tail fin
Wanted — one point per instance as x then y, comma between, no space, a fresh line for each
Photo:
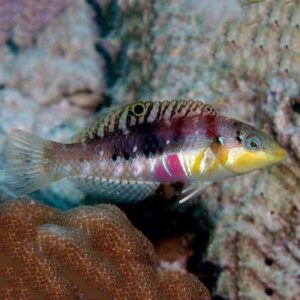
27,165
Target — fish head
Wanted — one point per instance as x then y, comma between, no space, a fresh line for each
247,148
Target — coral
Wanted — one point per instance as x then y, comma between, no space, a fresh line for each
126,45
173,253
51,76
264,42
257,243
22,20
156,50
58,65
86,253
197,51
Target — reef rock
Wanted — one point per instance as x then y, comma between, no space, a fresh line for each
86,253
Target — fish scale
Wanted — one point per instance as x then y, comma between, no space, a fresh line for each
130,151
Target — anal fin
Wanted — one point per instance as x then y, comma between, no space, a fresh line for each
118,191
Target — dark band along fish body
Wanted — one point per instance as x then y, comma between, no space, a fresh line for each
129,152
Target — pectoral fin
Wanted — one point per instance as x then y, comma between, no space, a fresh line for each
192,191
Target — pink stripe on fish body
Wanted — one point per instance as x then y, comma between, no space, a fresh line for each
169,168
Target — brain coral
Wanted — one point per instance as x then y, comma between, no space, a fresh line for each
86,253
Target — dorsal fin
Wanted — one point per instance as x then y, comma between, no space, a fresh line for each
187,107
149,112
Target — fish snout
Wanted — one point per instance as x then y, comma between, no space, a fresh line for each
241,161
277,154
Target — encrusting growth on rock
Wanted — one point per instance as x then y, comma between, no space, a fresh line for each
86,253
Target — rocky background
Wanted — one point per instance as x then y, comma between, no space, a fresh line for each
62,62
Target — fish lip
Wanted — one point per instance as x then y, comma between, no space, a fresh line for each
278,155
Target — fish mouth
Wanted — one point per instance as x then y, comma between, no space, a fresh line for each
277,155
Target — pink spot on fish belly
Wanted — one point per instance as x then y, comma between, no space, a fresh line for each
169,169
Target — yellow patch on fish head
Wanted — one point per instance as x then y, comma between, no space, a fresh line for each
244,149
223,155
241,160
220,151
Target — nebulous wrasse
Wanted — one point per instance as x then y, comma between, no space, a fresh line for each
129,152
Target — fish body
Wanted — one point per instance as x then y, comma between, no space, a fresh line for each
129,152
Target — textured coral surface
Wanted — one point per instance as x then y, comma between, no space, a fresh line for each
86,253
21,20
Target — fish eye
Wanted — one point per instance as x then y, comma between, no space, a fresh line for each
253,143
138,109
208,108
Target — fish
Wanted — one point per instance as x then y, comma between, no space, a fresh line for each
125,155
